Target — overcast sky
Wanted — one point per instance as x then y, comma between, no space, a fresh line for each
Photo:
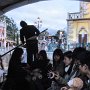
53,13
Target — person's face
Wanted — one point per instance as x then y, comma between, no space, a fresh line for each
57,57
83,68
67,61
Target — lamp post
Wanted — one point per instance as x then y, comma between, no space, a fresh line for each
60,38
38,23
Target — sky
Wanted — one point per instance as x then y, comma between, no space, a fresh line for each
52,13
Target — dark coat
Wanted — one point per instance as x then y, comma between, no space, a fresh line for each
28,32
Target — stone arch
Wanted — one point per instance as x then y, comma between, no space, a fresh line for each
82,30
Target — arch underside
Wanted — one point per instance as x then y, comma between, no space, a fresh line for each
7,5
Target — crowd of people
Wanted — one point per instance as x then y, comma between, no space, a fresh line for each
69,71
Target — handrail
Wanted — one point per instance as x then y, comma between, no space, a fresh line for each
21,44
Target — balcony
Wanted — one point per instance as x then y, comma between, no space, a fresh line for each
74,16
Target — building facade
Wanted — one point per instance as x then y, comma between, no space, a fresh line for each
78,25
5,43
2,34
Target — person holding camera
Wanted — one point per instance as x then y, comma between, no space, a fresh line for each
57,71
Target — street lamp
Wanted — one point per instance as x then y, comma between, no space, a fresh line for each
60,38
38,23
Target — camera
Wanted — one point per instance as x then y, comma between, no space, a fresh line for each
51,75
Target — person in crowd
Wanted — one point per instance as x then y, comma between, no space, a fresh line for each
76,52
75,70
84,68
68,64
43,65
58,64
58,70
16,74
29,33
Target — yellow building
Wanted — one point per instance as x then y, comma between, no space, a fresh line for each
79,25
